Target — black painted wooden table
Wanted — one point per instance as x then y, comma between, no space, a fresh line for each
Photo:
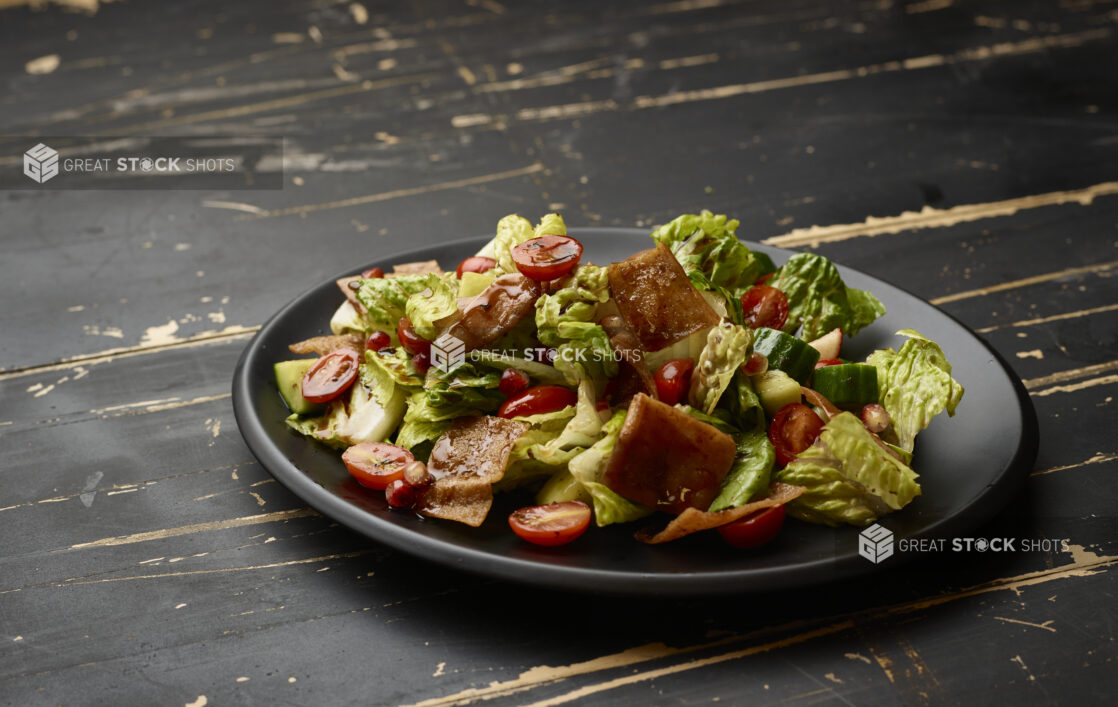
967,151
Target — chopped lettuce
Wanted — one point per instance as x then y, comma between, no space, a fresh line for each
353,418
587,353
438,300
711,254
583,479
849,477
745,404
576,301
385,370
347,320
750,473
728,347
417,432
473,284
818,299
529,459
385,299
445,396
543,373
915,385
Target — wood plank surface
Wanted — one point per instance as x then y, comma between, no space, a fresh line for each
964,151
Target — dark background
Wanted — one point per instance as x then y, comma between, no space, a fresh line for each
148,559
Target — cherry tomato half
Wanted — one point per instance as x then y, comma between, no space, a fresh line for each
413,343
765,306
330,376
376,464
513,381
536,400
673,380
478,263
547,257
794,428
824,362
551,525
755,529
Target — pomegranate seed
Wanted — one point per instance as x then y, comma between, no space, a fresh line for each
399,494
377,341
416,475
875,418
422,362
372,273
513,381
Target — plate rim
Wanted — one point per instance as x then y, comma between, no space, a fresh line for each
978,510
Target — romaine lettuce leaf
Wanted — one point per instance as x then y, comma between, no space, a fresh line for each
576,301
385,300
849,478
445,396
750,473
413,434
385,370
347,320
818,299
744,403
438,300
353,418
728,347
915,385
542,372
711,254
585,353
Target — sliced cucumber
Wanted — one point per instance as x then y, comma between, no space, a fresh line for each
847,384
776,389
289,380
786,353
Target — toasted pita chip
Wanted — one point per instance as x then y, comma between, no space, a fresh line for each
656,300
323,345
466,461
693,520
350,293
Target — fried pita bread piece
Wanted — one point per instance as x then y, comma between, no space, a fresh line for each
345,285
495,311
693,520
323,345
657,300
666,459
466,461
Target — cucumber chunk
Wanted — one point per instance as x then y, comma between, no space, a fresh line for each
776,389
786,353
289,380
848,384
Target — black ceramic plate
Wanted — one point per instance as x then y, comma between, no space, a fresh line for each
969,465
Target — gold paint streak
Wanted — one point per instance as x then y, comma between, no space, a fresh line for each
169,406
691,665
1070,375
929,217
1044,625
1084,564
884,663
1024,282
1105,380
1099,458
569,110
1053,318
198,528
1027,46
398,193
687,61
281,103
928,6
187,573
231,333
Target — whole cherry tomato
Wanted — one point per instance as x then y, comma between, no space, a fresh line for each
536,400
330,376
377,341
673,380
413,343
755,529
547,257
764,306
551,525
